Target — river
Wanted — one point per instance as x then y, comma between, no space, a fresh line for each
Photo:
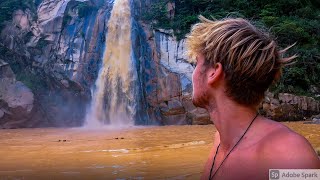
167,152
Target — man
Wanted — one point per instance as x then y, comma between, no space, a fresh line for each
235,65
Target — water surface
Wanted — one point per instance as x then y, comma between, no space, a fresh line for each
170,152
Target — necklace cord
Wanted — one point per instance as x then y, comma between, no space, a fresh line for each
210,177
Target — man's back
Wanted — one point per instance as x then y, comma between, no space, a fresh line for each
269,145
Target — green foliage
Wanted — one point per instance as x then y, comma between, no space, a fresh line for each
157,15
290,21
7,7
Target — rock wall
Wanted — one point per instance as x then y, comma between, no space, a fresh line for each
16,101
167,80
289,107
55,54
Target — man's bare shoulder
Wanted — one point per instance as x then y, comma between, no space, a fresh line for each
283,148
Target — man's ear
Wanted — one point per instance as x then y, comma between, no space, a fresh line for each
215,73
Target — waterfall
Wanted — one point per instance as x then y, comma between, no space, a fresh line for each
114,97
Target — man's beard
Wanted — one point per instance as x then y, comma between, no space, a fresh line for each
200,101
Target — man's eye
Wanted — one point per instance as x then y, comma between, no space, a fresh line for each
193,64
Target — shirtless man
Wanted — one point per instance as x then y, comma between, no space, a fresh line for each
235,65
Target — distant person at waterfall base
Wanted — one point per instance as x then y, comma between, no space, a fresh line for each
235,64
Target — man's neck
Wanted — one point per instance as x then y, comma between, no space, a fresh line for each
231,120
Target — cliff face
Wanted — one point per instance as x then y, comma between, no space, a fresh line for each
172,97
55,54
165,74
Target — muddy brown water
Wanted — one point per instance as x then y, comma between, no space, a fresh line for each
169,152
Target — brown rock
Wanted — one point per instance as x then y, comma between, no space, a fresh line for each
275,102
304,103
266,107
187,103
316,118
174,107
199,116
168,86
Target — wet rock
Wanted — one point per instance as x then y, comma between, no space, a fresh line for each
16,94
199,116
173,113
16,99
288,107
173,107
1,113
187,103
315,119
303,102
195,116
168,86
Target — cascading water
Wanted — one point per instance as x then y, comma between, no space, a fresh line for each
114,100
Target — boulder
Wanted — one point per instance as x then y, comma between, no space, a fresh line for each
303,102
199,116
289,107
173,107
16,99
315,119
